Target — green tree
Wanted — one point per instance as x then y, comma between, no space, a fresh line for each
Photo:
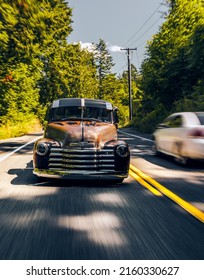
167,72
173,68
57,22
104,64
171,3
81,72
32,32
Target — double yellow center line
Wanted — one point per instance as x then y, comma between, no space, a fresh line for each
159,190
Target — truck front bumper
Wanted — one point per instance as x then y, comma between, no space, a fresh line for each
80,175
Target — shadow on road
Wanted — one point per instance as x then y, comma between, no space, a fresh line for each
56,220
25,176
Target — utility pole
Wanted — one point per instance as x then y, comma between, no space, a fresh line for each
129,80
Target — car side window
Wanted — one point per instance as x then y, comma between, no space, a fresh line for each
175,122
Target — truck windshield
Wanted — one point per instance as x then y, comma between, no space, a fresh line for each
86,113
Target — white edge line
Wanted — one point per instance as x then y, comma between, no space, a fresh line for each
18,149
21,147
136,136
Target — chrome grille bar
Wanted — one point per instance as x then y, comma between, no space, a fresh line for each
86,151
83,159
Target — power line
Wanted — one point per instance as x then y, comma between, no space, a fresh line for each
124,57
141,44
141,27
137,57
146,31
119,69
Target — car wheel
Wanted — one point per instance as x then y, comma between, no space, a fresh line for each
179,157
181,160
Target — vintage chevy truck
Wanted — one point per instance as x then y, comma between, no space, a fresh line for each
81,142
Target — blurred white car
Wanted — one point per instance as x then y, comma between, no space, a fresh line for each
181,135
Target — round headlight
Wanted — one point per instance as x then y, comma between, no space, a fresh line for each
122,151
42,149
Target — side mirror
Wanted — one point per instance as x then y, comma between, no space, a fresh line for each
162,125
115,117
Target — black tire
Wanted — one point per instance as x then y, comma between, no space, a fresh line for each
179,158
114,182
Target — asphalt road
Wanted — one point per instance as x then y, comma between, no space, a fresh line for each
58,219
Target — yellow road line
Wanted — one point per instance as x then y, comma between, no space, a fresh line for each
184,204
144,183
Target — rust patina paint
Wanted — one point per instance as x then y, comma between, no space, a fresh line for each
68,132
81,140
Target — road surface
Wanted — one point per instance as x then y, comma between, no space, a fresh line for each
58,219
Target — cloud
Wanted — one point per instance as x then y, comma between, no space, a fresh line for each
90,47
113,48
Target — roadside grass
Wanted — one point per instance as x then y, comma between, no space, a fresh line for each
10,130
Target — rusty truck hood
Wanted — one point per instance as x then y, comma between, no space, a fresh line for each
68,133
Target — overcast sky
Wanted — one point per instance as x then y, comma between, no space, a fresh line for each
120,23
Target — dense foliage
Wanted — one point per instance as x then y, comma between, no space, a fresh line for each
172,73
37,65
31,33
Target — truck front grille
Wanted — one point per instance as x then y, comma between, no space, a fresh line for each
84,159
